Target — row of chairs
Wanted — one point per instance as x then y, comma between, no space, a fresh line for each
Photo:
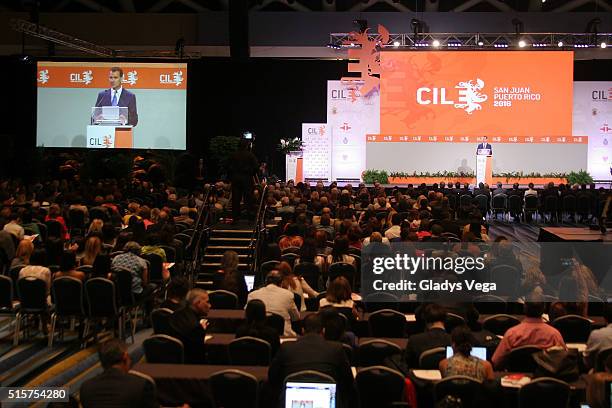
99,299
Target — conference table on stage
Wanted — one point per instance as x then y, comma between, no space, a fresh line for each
185,383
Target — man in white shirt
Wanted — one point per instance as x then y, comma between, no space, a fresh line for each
599,339
531,191
277,300
395,230
14,227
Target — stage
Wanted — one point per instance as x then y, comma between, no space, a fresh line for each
568,234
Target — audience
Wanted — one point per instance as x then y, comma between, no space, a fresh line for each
532,331
255,325
600,339
462,363
188,324
277,300
176,292
435,335
68,267
116,387
313,352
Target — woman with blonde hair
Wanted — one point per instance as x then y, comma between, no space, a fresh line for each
23,253
95,227
93,248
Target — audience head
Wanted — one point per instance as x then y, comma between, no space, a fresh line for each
274,277
132,247
198,300
255,311
177,288
229,261
334,323
68,261
24,250
339,290
534,307
113,354
313,324
434,314
463,340
38,257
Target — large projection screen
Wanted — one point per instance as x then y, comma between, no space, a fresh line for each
154,93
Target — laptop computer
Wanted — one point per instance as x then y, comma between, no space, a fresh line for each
310,395
480,352
250,282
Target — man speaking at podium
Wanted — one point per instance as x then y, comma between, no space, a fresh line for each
118,96
484,148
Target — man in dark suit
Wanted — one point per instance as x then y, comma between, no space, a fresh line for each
484,145
313,352
243,167
116,95
434,336
116,387
187,325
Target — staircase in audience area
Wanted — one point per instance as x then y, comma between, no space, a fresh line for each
223,238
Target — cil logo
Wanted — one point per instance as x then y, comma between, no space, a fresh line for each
176,78
316,130
469,96
85,77
602,95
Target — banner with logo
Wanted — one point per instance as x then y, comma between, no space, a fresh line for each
476,93
95,75
593,117
350,117
316,151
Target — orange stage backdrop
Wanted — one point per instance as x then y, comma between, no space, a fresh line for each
95,75
476,93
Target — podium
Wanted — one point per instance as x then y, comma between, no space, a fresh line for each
108,128
484,168
294,168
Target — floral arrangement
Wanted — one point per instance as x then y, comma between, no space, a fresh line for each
290,145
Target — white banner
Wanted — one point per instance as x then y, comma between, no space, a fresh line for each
317,151
593,118
350,117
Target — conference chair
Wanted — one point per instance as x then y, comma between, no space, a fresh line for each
67,294
249,351
310,272
515,205
266,267
550,206
465,200
86,269
520,359
498,324
32,293
342,269
490,304
531,205
583,205
160,320
224,385
170,252
184,238
465,388
569,206
102,304
544,392
380,300
482,202
508,280
379,386
499,204
8,307
277,322
453,320
290,258
573,328
291,250
430,359
349,352
129,307
387,323
164,349
374,352
156,266
223,299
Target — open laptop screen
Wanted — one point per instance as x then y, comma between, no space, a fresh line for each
480,352
310,395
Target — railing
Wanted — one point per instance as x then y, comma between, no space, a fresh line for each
258,229
201,229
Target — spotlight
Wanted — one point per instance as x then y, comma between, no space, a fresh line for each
603,45
560,44
522,43
435,43
396,44
480,43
